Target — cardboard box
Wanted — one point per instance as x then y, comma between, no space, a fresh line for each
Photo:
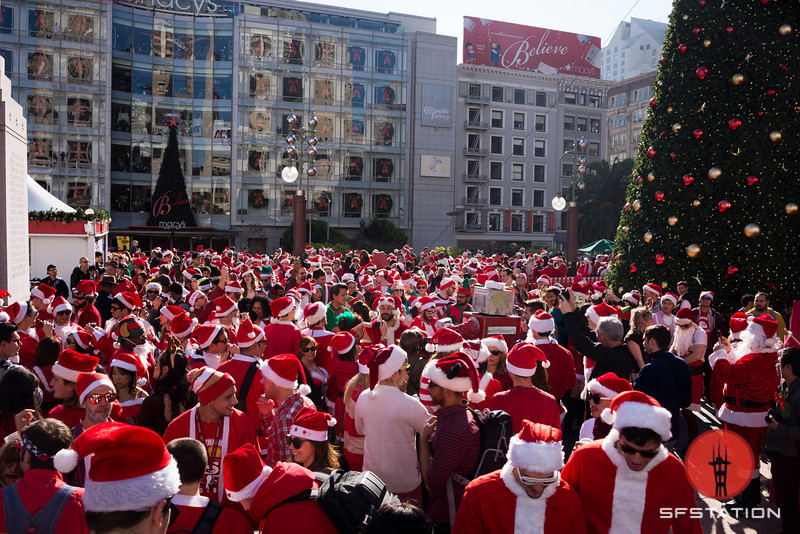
492,301
492,325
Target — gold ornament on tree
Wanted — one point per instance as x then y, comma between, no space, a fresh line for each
637,204
785,29
696,202
775,136
752,230
676,127
737,79
625,229
693,250
648,236
672,221
714,173
651,177
707,42
791,208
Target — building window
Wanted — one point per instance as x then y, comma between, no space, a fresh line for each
496,144
474,141
539,148
475,90
569,144
518,147
541,99
594,125
497,93
517,172
570,98
594,149
519,96
474,115
473,167
516,197
472,192
516,222
538,198
497,119
494,222
581,124
495,196
594,101
538,223
569,123
538,173
519,121
473,219
541,123
496,170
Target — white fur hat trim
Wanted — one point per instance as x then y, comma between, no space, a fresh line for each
249,491
640,415
139,494
537,457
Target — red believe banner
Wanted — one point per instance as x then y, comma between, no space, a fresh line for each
517,47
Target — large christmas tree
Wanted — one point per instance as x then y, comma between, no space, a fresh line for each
170,202
714,192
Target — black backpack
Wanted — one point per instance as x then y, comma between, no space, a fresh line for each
348,498
496,431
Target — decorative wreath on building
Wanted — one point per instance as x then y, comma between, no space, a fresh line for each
256,199
383,204
354,203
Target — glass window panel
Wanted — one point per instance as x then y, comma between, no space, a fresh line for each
354,130
495,196
183,44
79,154
326,128
538,198
120,197
382,205
517,172
202,122
141,195
293,51
203,83
79,194
121,76
40,66
122,35
538,173
516,222
142,79
143,38
120,156
40,109
516,197
6,19
162,80
260,85
324,92
496,170
223,84
293,89
383,169
497,94
322,202
352,204
260,46
41,23
354,167
141,158
203,45
257,201
223,45
201,198
182,82
79,111
325,54
79,69
141,118
40,151
259,122
8,56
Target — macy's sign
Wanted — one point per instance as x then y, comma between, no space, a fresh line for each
197,7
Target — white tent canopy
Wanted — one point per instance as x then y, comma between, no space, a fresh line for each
40,200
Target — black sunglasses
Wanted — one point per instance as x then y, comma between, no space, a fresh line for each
310,349
292,441
596,398
627,449
495,352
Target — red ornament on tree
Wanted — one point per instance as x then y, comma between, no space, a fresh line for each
660,259
617,258
733,269
653,102
730,29
696,31
734,123
701,72
633,267
682,48
673,155
626,207
702,2
752,180
722,205
771,92
687,179
698,133
659,195
651,152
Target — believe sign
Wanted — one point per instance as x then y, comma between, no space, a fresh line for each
527,48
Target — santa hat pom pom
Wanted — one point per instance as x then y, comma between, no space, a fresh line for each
546,364
4,318
608,416
332,422
66,460
368,393
476,396
304,389
141,382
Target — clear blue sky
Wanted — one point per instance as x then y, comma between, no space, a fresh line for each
592,17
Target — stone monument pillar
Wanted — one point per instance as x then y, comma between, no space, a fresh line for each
14,275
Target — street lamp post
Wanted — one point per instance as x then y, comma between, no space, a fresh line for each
298,160
559,202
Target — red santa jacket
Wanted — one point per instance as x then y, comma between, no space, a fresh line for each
618,499
428,328
36,488
532,404
191,508
497,504
561,373
285,481
237,367
283,337
373,333
752,379
87,315
27,350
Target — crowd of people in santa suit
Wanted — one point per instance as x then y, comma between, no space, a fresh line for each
208,391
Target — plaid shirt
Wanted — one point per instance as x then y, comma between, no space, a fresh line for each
276,426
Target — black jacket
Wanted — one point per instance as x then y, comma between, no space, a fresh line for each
666,378
617,360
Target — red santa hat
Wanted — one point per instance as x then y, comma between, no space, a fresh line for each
281,307
285,371
425,303
476,350
59,304
445,283
131,468
87,288
209,383
541,322
763,326
342,342
243,473
44,292
738,322
444,340
130,300
190,272
581,290
233,287
17,311
458,372
639,410
314,313
170,312
596,312
83,338
224,306
523,358
305,287
669,297
708,294
497,342
653,288
72,363
388,300
632,297
312,425
386,362
464,291
205,334
130,362
182,326
88,382
685,316
248,334
537,448
192,298
609,385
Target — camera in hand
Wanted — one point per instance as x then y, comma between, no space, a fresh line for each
773,414
566,293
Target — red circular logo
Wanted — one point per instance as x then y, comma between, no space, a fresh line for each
720,464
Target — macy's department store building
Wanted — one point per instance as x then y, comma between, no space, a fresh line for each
101,83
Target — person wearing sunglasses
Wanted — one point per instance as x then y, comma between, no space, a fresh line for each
308,441
41,484
96,395
602,391
628,477
62,315
83,298
527,491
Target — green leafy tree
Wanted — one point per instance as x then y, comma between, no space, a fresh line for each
601,201
170,202
714,193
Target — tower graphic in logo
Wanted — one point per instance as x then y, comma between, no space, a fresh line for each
720,464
